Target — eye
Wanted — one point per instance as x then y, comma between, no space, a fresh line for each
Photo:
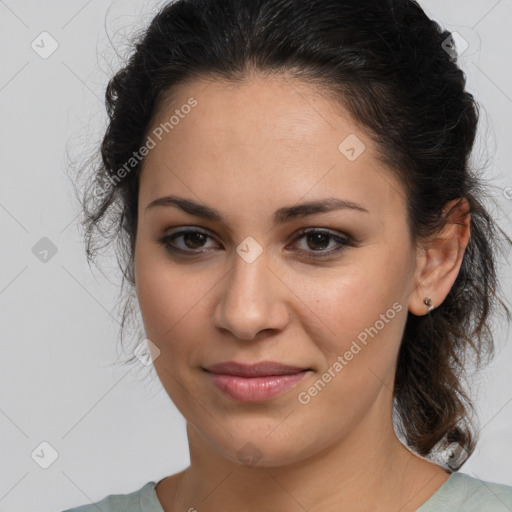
192,239
316,241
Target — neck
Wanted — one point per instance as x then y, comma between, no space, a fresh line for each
369,469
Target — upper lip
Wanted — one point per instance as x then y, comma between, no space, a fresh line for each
261,369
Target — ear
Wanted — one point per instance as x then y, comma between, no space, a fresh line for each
439,258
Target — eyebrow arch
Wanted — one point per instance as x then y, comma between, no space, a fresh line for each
282,215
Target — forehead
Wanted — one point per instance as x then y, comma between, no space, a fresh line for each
263,141
278,112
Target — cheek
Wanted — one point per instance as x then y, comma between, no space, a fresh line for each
159,292
352,298
173,300
363,314
170,301
165,297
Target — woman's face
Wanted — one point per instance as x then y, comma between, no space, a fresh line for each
250,286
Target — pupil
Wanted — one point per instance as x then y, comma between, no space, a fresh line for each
198,237
320,238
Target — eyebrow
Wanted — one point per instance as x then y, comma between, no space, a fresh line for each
282,215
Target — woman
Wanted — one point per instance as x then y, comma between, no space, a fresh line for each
309,251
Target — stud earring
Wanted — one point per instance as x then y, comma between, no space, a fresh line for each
428,303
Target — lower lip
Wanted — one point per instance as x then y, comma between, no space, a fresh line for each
255,389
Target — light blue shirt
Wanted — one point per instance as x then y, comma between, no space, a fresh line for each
460,493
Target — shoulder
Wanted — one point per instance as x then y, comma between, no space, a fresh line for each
484,495
143,499
462,492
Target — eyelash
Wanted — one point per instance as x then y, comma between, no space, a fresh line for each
343,241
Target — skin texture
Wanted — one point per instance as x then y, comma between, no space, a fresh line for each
247,150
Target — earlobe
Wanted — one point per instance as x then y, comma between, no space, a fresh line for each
428,303
441,259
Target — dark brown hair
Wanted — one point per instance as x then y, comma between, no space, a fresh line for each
387,63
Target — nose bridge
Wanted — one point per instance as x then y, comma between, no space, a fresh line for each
249,280
250,301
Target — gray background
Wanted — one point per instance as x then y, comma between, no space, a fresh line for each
112,431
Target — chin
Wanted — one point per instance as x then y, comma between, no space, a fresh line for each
261,450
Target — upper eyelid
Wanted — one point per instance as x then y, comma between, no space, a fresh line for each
300,231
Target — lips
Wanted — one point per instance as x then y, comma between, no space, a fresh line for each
261,369
254,382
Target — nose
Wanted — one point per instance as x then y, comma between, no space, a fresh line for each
252,300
